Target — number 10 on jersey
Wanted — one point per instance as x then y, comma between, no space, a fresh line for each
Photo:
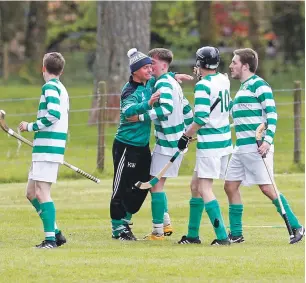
225,100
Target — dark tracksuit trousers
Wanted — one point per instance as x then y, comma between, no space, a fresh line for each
131,164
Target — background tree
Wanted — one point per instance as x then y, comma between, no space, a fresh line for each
174,26
35,40
121,26
206,22
289,25
12,34
256,34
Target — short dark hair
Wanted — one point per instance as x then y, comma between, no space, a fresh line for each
162,54
54,63
248,56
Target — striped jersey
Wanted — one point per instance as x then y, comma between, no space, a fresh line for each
214,137
52,123
253,104
171,115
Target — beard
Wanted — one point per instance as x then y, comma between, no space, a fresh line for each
236,76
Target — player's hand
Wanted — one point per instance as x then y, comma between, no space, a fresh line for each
154,98
182,77
196,71
264,148
183,142
133,119
23,126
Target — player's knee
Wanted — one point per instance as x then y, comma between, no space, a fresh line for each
42,191
193,187
230,187
30,190
30,195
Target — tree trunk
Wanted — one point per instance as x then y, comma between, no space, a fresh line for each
35,40
36,30
289,25
206,22
256,38
12,34
121,26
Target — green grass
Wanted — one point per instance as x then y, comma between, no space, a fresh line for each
82,145
92,256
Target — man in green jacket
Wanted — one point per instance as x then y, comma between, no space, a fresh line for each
131,152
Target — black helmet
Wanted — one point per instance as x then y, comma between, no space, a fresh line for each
208,57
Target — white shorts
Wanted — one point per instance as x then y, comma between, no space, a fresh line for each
44,171
159,161
211,167
249,168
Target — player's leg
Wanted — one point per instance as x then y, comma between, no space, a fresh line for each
120,229
30,194
159,203
196,207
210,168
259,175
44,174
157,209
138,160
235,174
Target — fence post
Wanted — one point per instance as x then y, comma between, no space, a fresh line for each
297,122
5,62
101,125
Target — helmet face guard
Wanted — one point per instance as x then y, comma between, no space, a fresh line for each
207,58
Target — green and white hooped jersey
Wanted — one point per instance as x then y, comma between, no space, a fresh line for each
171,115
214,137
253,104
52,123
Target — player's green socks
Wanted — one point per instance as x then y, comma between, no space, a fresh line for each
36,205
117,227
127,218
48,218
158,207
166,203
291,217
196,206
235,219
213,210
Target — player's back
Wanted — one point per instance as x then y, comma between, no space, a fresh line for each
214,137
170,127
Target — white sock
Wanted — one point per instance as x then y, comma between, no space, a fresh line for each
158,229
166,219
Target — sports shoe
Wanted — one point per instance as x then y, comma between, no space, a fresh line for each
60,239
125,235
154,237
46,244
298,235
217,242
186,240
235,239
168,230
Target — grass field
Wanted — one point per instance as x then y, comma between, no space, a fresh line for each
92,256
